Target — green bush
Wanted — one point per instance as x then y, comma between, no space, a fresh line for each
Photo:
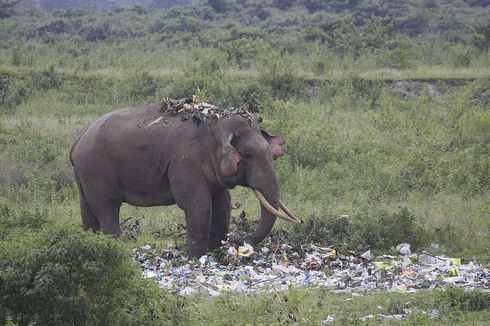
12,92
462,56
142,86
383,230
457,298
397,58
25,220
282,77
372,228
241,52
65,276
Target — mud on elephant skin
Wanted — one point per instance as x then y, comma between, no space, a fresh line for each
118,159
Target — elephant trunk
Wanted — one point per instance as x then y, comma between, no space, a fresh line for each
269,211
266,223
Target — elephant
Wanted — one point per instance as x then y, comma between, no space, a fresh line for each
122,158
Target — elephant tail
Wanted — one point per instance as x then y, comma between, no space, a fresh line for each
75,144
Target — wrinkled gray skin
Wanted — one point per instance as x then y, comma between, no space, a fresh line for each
119,158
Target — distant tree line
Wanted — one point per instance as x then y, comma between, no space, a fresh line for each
6,7
96,5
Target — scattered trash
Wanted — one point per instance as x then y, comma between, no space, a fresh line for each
203,260
438,260
366,318
232,251
433,314
404,249
329,320
275,267
366,255
246,250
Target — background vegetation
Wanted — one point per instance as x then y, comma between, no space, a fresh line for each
384,107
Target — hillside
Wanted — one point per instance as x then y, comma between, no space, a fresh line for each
407,16
98,6
312,38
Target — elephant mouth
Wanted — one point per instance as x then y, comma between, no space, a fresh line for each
288,216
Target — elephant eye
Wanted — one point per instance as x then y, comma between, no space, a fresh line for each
247,155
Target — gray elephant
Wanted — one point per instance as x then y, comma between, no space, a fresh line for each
144,157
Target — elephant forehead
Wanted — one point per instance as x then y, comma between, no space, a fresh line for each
239,123
256,142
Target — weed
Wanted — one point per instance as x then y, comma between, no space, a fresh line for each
457,298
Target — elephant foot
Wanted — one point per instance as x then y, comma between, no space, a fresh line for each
197,252
215,244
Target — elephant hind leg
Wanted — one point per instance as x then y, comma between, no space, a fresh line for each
89,220
101,214
107,212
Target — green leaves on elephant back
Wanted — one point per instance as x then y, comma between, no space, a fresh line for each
190,108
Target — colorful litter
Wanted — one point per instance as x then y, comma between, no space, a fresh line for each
276,267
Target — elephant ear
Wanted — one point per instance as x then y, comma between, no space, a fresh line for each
229,157
276,143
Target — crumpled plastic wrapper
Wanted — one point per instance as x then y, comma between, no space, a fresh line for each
275,267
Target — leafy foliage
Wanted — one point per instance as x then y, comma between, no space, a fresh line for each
62,275
12,221
456,298
370,228
6,7
357,33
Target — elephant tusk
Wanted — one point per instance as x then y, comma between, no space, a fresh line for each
272,210
287,211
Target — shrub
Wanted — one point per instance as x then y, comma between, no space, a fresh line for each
12,92
328,230
461,57
142,86
383,230
241,52
65,276
397,58
282,77
370,228
25,220
459,299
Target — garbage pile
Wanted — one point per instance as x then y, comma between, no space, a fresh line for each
275,267
191,108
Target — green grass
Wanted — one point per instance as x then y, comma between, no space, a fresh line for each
313,306
381,74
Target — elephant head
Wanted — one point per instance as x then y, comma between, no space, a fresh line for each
246,157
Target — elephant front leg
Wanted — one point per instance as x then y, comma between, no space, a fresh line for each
220,222
192,194
198,221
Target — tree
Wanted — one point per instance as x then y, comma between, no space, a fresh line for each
284,4
6,7
219,5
